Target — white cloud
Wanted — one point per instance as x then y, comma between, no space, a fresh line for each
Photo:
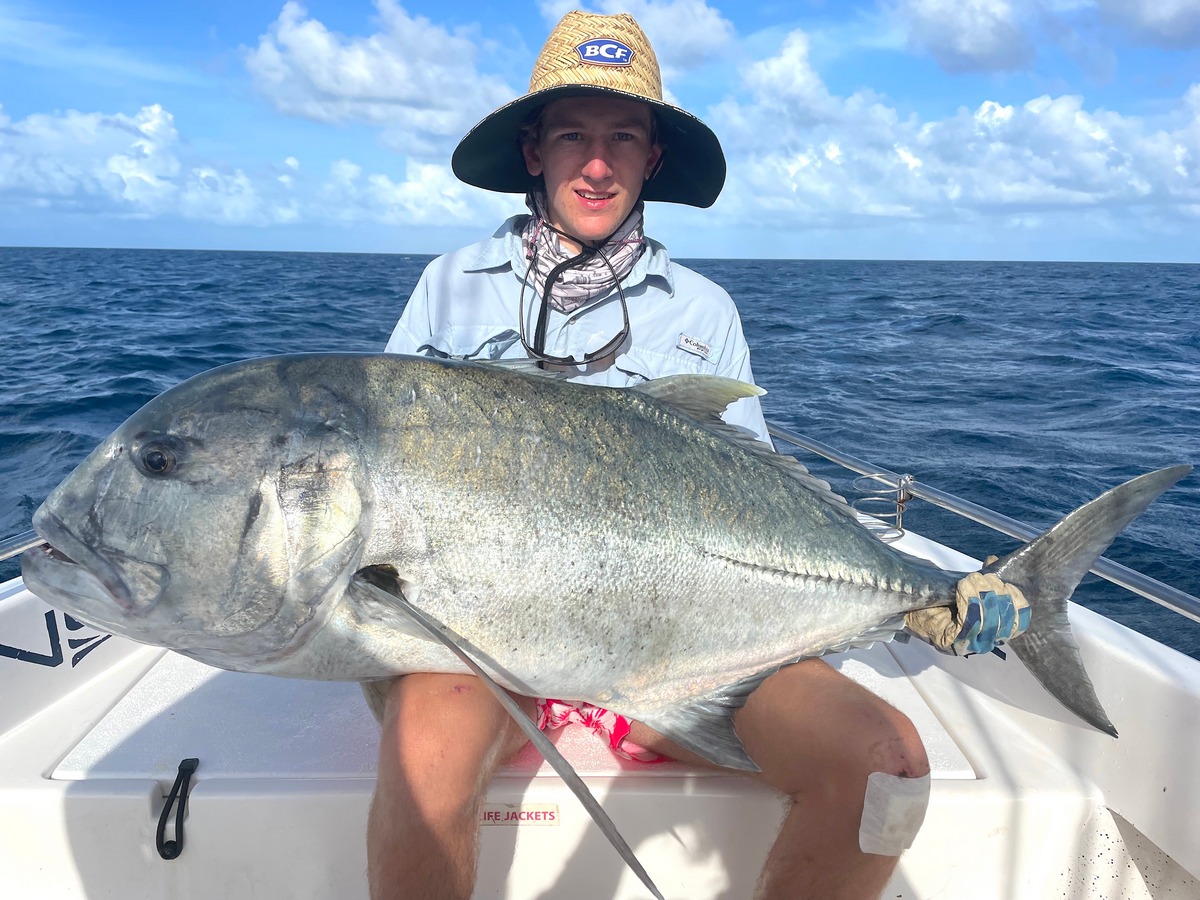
227,198
967,35
1165,23
789,83
1000,35
429,194
77,156
412,77
800,155
684,33
122,165
790,102
418,82
837,160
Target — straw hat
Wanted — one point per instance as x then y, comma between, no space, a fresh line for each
589,54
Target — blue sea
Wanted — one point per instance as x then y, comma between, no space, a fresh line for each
1028,388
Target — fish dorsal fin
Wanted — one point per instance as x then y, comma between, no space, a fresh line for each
703,398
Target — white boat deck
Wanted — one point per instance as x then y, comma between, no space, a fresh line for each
1026,802
285,728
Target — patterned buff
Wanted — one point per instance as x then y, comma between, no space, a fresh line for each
592,276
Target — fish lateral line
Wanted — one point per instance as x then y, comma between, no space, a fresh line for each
806,576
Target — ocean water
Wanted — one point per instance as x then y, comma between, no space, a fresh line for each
1025,387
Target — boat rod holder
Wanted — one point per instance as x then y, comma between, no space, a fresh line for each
882,503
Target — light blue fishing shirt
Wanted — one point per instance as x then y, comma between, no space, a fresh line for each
467,305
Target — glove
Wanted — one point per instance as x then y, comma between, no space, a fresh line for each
987,612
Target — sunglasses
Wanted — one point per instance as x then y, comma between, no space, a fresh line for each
537,350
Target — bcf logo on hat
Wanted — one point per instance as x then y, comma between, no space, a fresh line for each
605,52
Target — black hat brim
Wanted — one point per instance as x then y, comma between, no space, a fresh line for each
692,170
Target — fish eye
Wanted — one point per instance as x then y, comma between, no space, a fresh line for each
156,458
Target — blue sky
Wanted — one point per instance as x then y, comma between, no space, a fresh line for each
911,129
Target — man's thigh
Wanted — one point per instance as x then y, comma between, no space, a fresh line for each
447,718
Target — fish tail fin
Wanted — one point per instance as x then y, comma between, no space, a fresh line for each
1048,569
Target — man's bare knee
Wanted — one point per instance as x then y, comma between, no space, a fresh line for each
895,747
896,795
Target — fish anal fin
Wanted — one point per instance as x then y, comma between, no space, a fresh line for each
705,725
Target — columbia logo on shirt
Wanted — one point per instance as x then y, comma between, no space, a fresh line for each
696,346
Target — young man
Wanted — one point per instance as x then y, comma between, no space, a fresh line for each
578,286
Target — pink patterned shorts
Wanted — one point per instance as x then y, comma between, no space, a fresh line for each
609,725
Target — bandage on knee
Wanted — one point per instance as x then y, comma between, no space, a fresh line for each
893,810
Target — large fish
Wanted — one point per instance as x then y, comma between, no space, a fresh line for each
285,515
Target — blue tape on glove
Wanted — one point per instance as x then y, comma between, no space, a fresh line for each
991,619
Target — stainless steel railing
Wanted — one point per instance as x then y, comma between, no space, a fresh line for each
1162,594
1152,589
18,544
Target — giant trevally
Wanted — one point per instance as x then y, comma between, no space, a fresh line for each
619,546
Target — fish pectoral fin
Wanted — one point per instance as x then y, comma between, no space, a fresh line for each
705,725
378,594
384,598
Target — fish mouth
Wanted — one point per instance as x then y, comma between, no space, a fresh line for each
69,570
